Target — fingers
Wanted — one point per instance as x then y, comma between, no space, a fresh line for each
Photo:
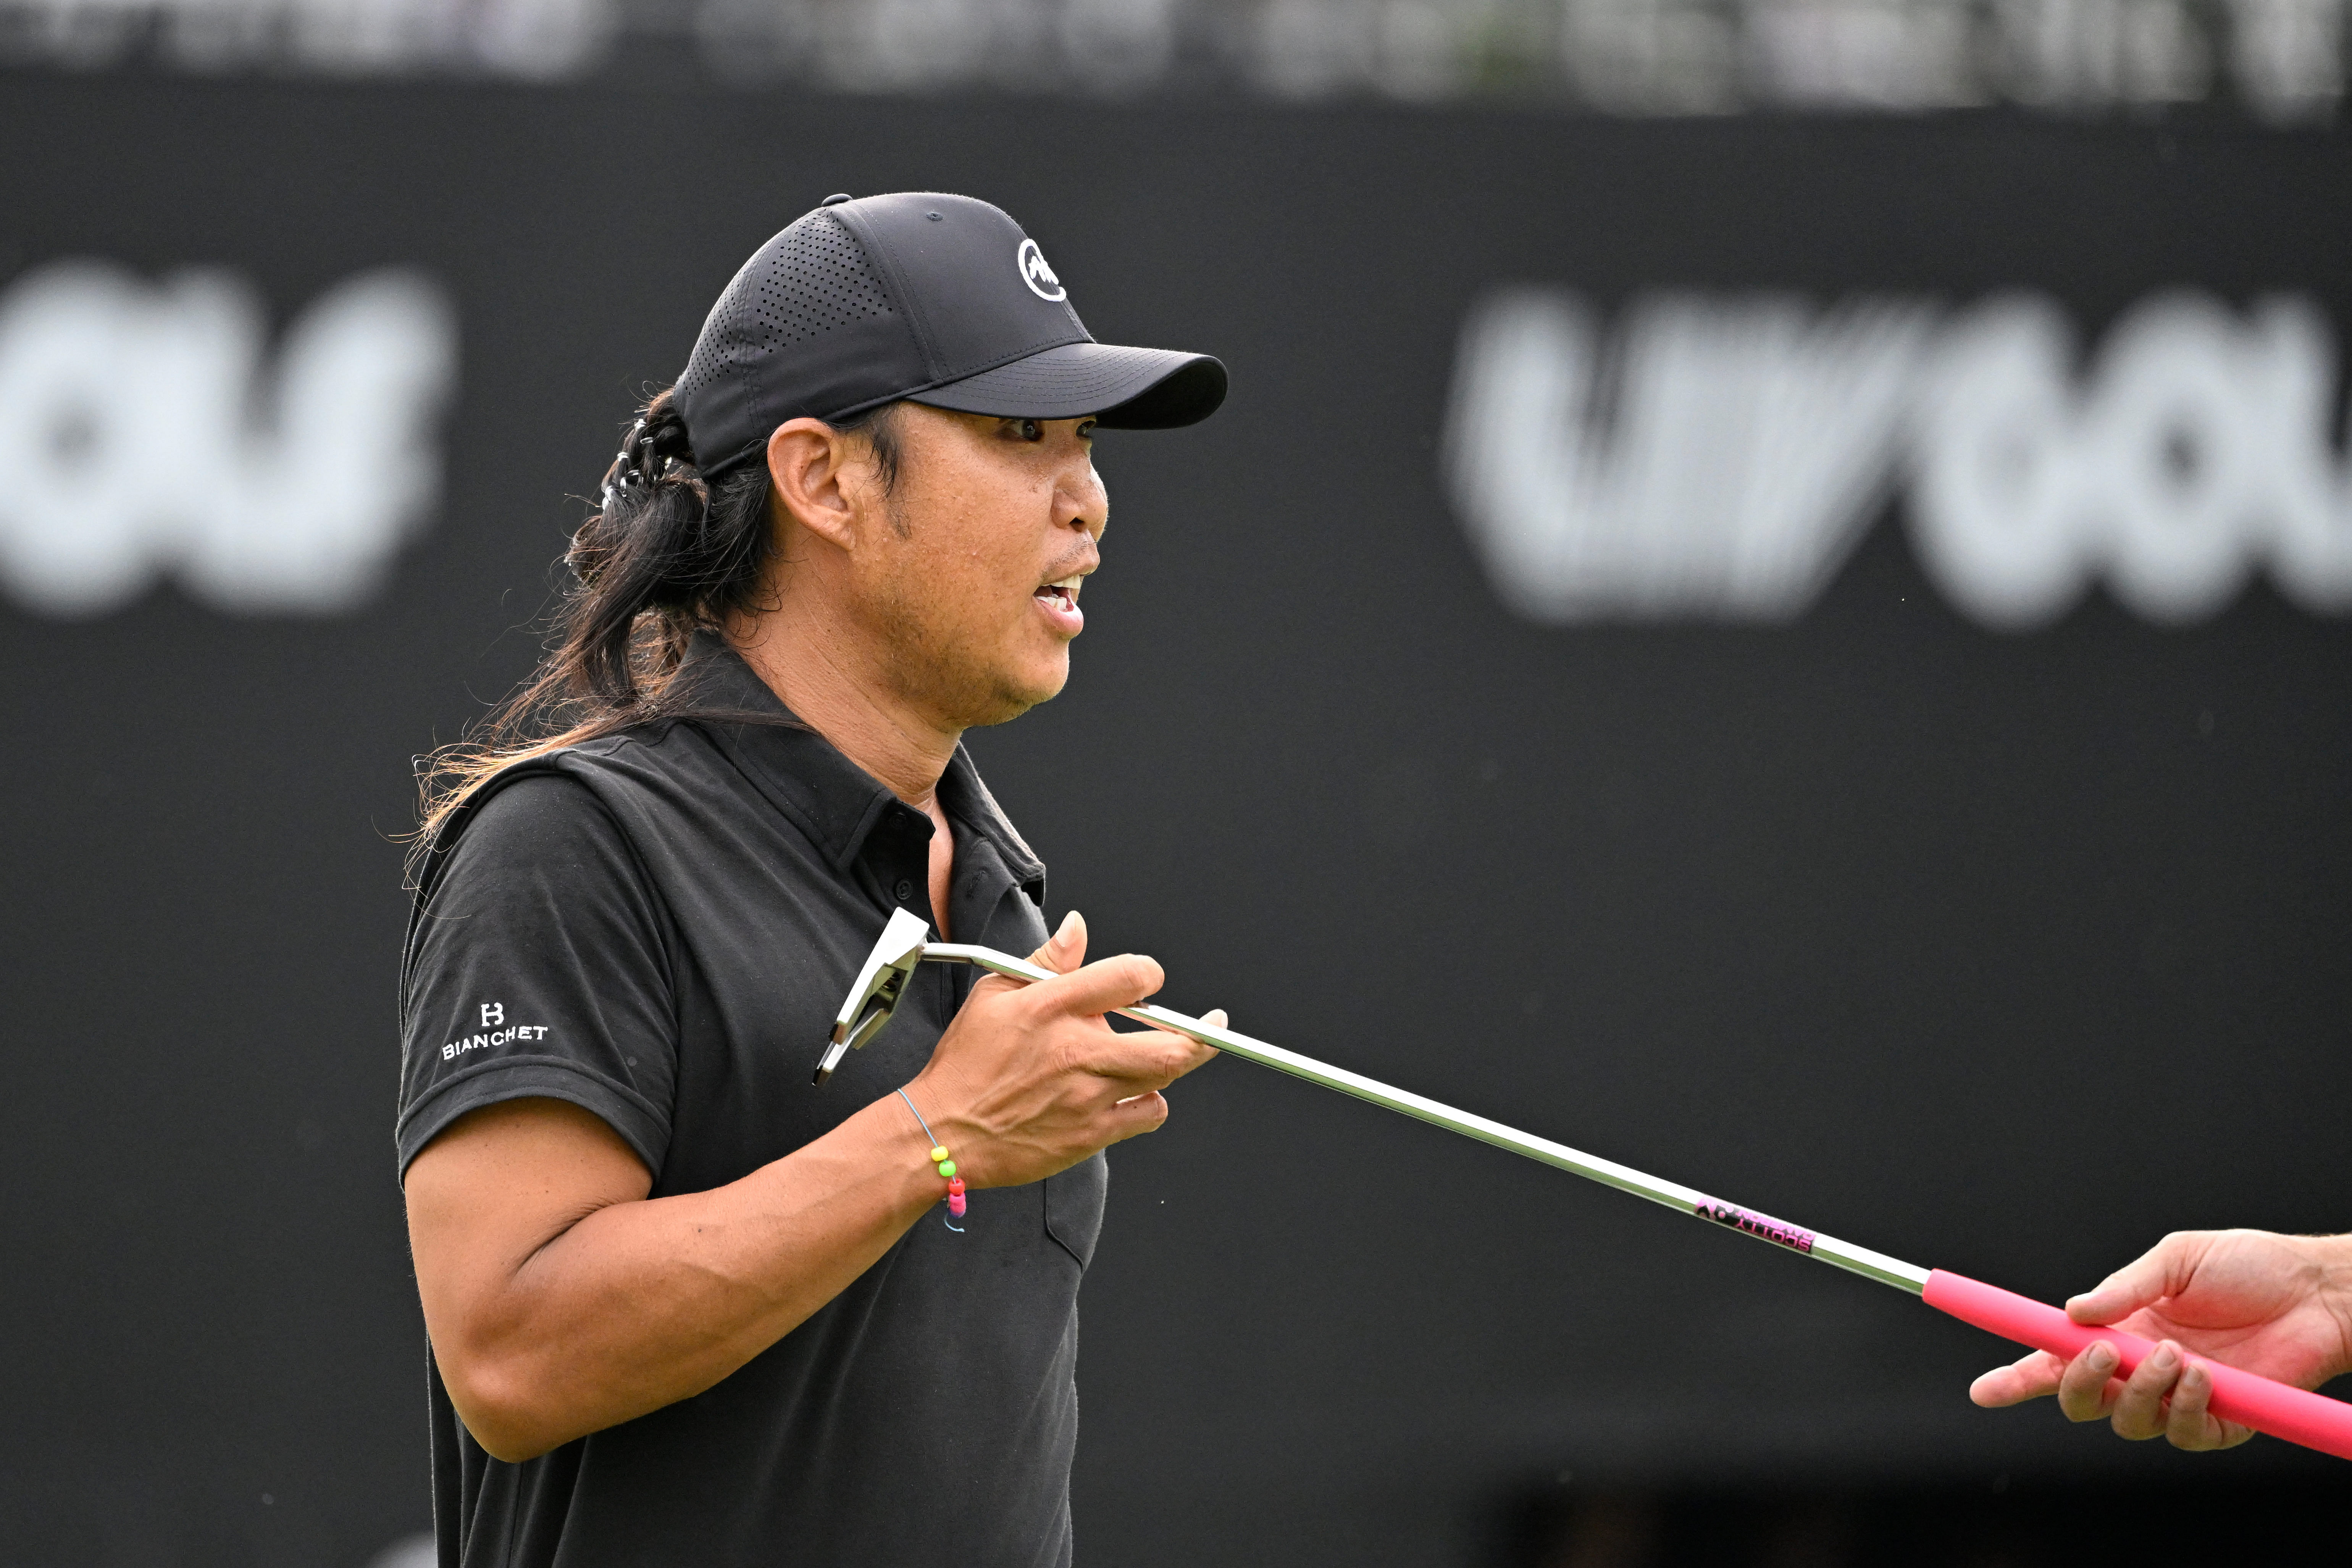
2139,1412
2189,1425
1133,1118
1214,1018
2030,1378
1164,1057
2168,1396
2164,1269
2087,1389
1152,1059
2085,1386
1103,986
1197,1054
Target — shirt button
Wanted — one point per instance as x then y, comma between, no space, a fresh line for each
905,890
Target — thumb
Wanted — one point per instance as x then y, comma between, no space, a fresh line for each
1065,949
2162,1270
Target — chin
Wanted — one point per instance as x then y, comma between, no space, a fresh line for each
1016,695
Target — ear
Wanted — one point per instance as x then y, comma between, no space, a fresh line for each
820,478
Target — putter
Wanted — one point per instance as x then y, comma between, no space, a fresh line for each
2310,1419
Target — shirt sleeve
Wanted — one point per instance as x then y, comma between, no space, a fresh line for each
538,969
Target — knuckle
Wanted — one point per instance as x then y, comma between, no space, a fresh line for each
1068,1053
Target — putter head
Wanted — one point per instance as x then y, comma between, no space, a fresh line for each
877,989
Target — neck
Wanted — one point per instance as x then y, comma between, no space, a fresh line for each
832,681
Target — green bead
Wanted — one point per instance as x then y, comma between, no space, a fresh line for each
947,1168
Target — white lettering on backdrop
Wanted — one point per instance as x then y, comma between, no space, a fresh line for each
1718,458
151,439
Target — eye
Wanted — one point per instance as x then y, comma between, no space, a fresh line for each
1086,430
1028,430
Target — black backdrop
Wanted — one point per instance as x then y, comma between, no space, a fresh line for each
1992,952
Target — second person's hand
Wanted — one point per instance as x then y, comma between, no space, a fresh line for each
2280,1306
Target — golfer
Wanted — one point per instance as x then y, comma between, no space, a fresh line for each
684,1307
2278,1305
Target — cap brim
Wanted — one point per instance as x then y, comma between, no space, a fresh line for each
1120,388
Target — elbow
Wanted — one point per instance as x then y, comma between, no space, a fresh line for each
512,1447
505,1410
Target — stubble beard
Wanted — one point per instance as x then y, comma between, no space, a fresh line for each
930,671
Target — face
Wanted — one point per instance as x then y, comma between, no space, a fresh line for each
973,586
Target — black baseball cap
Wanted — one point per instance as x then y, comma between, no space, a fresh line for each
935,298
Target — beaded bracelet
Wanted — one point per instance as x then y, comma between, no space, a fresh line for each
947,1168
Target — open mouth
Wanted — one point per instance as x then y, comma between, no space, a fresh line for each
1064,594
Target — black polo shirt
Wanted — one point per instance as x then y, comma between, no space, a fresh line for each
658,926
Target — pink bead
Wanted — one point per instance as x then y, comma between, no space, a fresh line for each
956,1204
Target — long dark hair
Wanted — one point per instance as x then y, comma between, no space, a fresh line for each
666,554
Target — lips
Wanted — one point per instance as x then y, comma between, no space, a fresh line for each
1059,600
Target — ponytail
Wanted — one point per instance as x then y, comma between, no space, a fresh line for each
667,553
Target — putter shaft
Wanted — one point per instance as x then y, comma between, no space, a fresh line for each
1828,1250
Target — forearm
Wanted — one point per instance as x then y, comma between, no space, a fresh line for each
639,1304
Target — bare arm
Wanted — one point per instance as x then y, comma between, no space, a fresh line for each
561,1299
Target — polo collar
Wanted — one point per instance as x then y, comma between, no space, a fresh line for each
837,803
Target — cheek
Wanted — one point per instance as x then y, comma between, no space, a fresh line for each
993,560
965,592
974,553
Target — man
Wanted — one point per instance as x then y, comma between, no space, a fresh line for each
684,1306
2278,1305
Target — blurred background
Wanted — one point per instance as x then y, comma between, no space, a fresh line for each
1769,602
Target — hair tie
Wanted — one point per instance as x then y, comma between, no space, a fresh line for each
940,1158
626,469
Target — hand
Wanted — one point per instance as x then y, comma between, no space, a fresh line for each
1030,1078
2278,1305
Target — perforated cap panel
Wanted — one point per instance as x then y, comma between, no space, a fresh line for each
810,282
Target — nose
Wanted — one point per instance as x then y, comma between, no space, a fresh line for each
1080,500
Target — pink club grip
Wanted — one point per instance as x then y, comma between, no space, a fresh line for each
2311,1419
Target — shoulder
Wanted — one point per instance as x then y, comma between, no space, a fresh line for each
540,806
565,797
537,813
557,821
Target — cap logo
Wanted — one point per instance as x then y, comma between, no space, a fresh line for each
1036,274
